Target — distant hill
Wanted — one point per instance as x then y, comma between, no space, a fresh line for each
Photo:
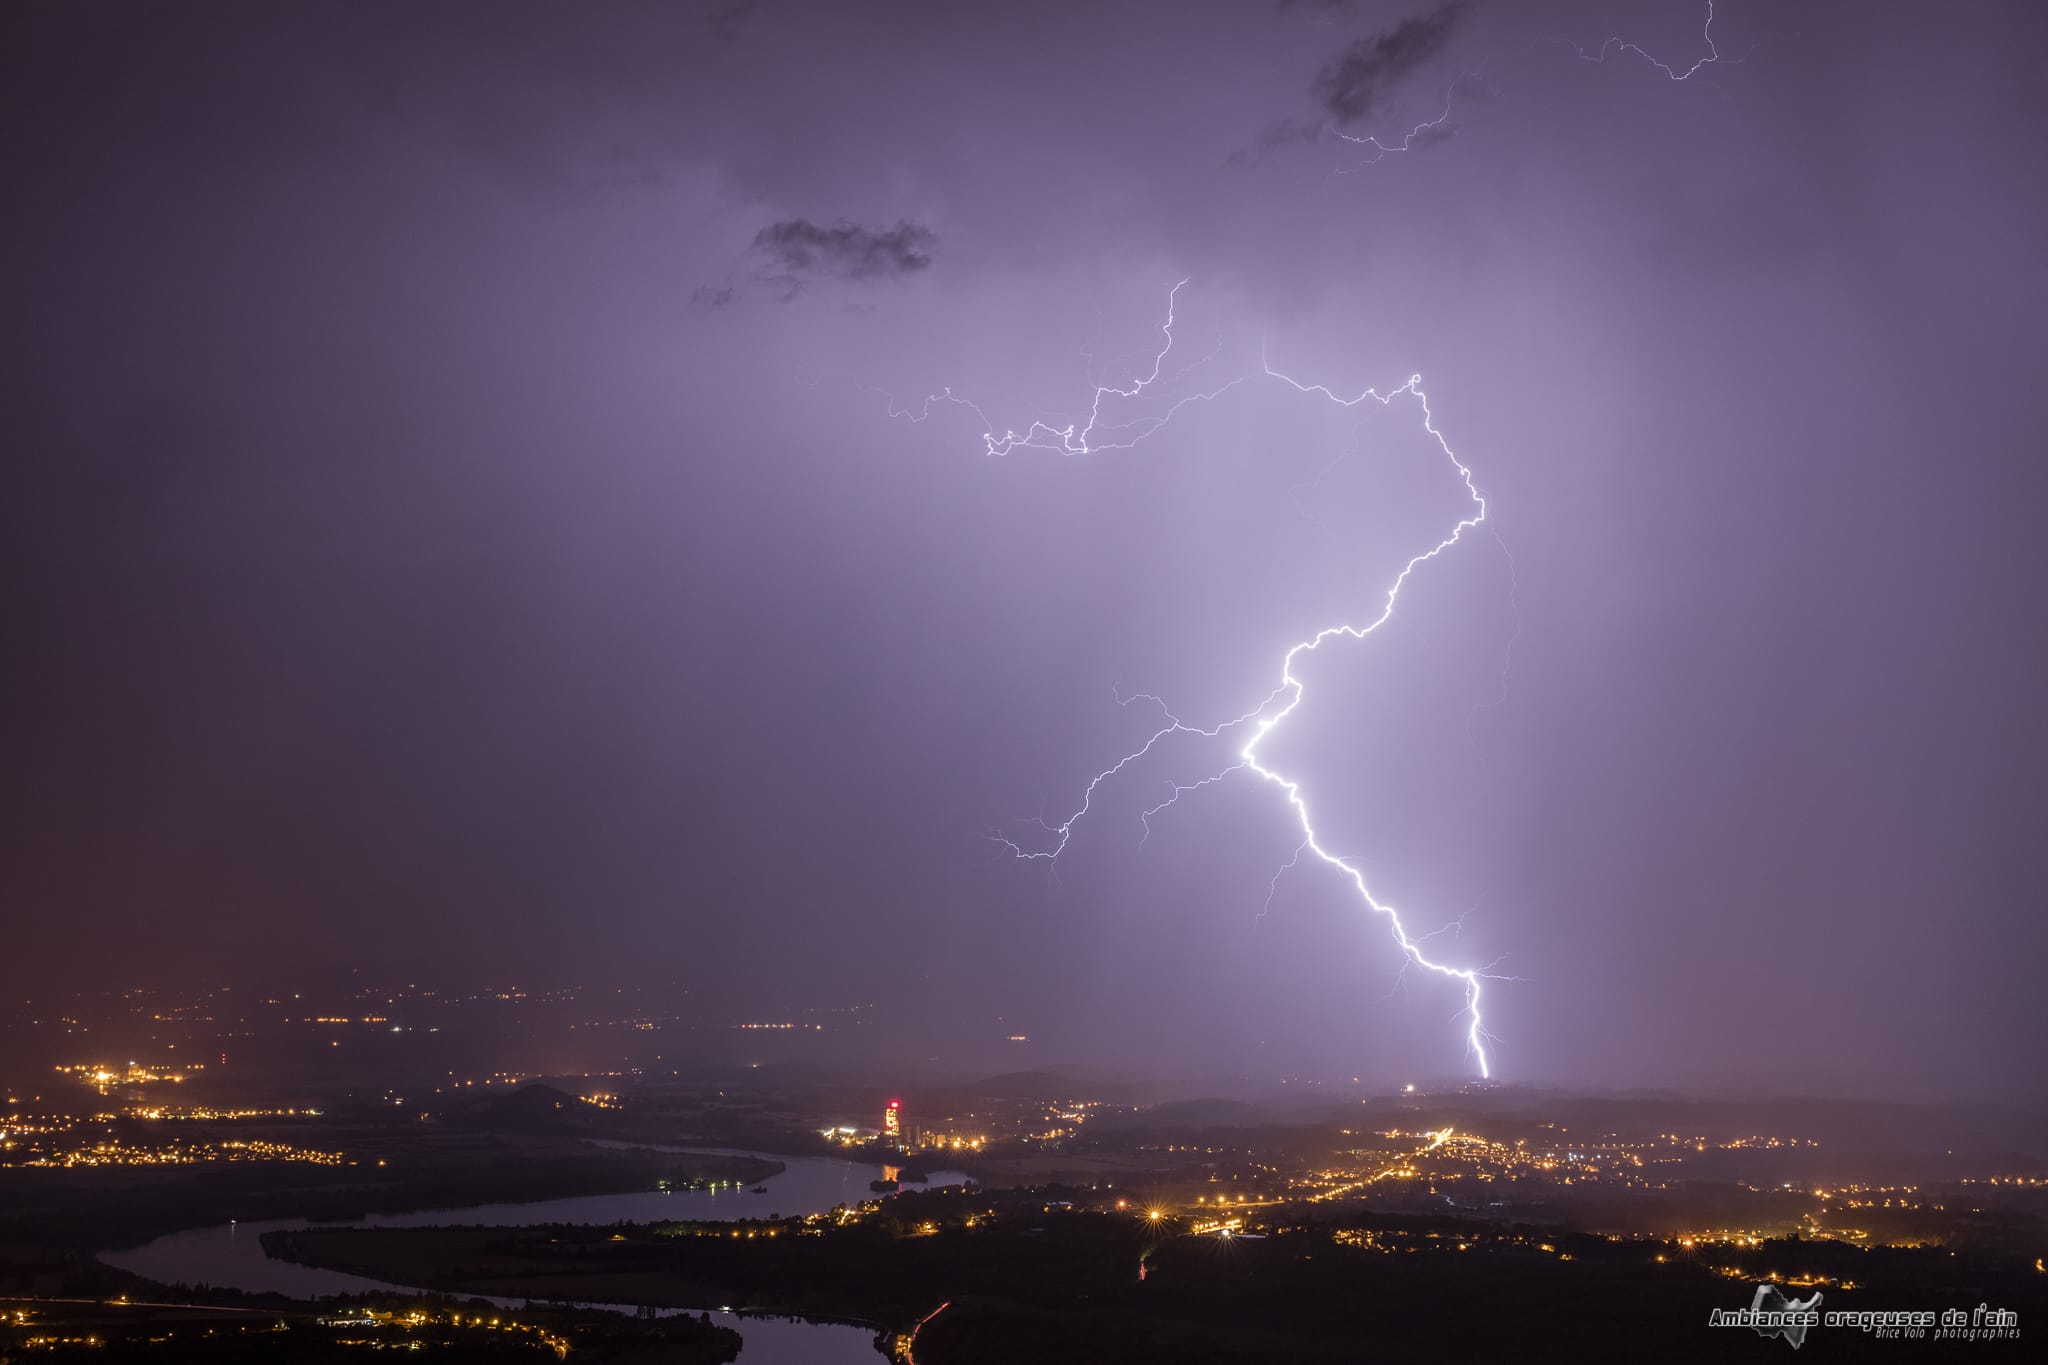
1192,1114
1020,1085
532,1109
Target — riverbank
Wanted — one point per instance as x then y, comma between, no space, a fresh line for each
829,1334
92,1208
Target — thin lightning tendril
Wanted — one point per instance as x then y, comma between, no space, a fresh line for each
1620,45
1406,141
1097,434
1273,887
1383,147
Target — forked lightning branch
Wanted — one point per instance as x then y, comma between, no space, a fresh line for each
1107,427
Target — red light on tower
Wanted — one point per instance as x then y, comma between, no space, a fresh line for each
892,1120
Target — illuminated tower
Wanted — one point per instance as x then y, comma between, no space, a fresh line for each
892,1121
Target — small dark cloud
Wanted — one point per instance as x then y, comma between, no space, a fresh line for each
799,248
787,256
1352,85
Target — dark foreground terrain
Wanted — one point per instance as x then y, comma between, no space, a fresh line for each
1482,1223
1028,1280
424,1329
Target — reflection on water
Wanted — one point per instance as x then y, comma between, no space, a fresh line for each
231,1256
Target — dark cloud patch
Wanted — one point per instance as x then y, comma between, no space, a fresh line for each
1297,132
798,249
786,257
1352,85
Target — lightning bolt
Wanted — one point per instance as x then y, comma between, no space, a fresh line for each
1383,149
1099,433
1095,434
1613,45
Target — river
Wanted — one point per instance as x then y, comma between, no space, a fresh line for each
231,1255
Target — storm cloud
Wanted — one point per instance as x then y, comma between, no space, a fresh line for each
800,248
1358,78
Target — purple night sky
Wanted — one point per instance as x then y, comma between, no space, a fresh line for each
459,524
